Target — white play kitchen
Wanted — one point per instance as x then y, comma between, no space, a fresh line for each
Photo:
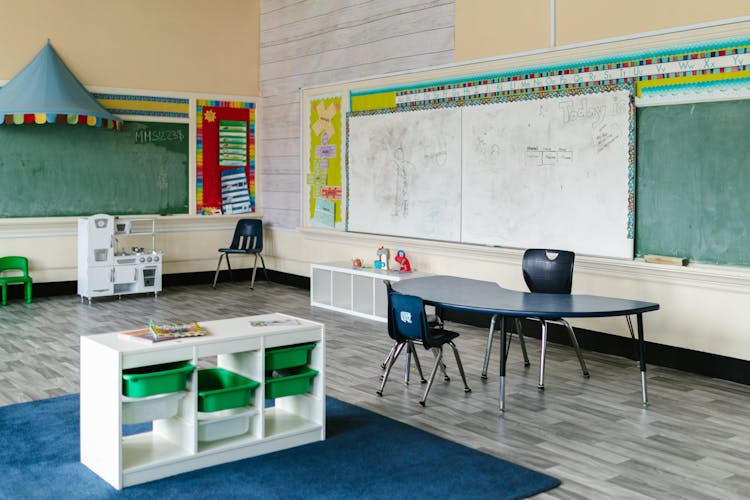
110,262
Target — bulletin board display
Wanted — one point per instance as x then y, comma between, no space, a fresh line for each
225,157
324,179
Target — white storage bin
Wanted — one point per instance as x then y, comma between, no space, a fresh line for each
223,424
139,410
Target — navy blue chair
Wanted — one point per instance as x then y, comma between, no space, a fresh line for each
409,345
247,240
551,271
407,325
434,320
544,271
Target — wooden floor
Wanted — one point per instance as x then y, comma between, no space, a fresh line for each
693,441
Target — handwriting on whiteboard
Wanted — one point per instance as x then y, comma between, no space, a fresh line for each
537,156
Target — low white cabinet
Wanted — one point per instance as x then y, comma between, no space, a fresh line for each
361,292
177,444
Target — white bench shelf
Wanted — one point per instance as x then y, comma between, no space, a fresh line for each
360,292
173,446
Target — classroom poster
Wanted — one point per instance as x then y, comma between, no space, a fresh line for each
225,157
324,177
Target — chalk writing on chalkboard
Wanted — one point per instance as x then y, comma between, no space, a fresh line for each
145,136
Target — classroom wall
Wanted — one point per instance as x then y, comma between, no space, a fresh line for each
696,301
313,43
190,242
166,46
488,28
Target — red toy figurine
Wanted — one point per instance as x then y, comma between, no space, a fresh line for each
401,259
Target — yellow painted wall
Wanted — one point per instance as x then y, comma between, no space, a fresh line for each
487,28
170,45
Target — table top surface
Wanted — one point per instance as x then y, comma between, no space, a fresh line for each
488,297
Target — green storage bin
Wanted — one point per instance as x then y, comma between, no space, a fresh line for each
220,389
155,379
279,358
296,381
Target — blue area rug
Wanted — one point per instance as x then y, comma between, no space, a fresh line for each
365,455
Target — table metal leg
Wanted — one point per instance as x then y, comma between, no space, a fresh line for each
544,355
502,364
642,359
489,347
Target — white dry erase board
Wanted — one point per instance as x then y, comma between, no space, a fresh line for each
552,172
404,174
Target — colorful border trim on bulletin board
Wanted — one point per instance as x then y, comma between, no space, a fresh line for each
709,64
502,98
140,105
199,162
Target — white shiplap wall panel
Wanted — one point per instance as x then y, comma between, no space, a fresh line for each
306,19
276,182
282,112
381,50
282,165
273,148
309,43
376,29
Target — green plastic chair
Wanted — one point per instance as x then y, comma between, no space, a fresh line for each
15,264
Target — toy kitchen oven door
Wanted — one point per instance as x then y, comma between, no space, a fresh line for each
137,272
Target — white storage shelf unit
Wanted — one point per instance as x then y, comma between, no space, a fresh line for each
361,292
191,439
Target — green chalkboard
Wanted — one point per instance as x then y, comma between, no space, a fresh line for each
66,170
693,182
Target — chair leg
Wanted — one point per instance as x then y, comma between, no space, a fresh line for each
388,356
255,268
460,366
439,352
543,356
218,267
4,293
438,363
416,362
574,341
399,348
28,291
407,367
488,351
522,340
263,263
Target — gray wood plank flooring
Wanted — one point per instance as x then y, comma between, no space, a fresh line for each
691,442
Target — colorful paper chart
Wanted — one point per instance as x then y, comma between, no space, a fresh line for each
232,143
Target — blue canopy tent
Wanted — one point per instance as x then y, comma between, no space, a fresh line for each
45,91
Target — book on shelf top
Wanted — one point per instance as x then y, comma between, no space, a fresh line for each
161,333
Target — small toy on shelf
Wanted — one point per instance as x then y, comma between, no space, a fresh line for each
403,261
356,263
383,256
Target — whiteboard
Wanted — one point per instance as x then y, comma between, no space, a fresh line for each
403,172
549,173
552,172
